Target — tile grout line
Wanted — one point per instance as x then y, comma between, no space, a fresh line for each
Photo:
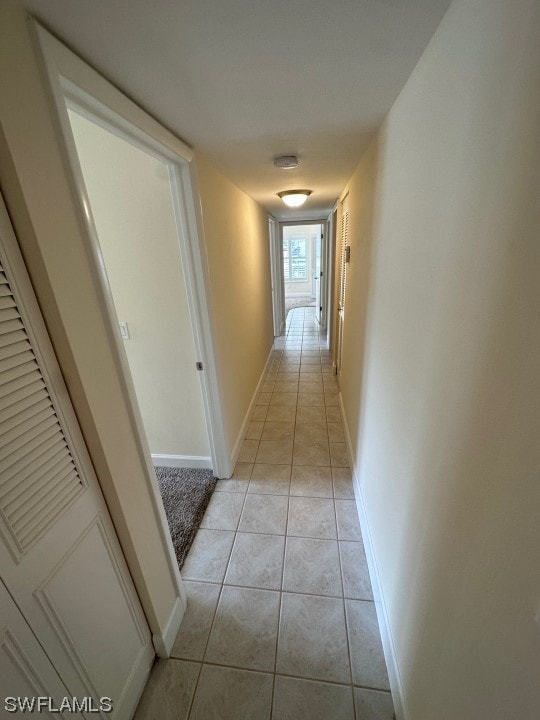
339,551
309,678
282,571
280,616
349,653
222,585
238,532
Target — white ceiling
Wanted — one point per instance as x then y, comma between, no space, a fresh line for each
245,80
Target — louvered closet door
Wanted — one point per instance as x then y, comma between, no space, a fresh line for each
59,555
25,670
342,283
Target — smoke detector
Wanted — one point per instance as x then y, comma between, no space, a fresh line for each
286,162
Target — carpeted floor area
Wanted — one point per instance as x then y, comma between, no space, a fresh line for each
186,493
294,302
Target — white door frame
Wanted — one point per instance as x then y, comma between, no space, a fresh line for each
324,285
74,87
276,276
69,76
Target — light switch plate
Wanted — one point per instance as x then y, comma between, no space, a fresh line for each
124,330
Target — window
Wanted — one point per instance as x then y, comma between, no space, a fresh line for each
294,258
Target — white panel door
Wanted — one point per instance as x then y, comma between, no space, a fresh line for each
277,310
26,672
59,555
317,264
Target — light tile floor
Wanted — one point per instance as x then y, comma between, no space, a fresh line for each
280,622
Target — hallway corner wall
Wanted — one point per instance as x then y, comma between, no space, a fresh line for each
235,231
441,358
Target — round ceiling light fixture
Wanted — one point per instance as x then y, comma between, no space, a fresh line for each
286,162
294,198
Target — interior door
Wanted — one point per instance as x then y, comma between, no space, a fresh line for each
275,277
25,670
317,266
59,555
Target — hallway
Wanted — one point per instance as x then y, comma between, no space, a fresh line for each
411,131
280,620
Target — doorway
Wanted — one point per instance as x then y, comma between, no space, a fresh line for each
303,261
276,277
131,203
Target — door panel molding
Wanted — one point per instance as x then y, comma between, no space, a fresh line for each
54,615
25,669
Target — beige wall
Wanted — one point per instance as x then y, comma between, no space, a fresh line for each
442,391
40,200
131,202
235,230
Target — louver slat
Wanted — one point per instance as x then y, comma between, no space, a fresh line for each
8,314
24,381
23,407
31,517
14,374
25,504
7,326
14,349
7,301
8,338
15,361
34,531
38,475
15,450
9,430
19,465
13,493
21,393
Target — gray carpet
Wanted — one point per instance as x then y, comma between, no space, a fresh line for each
294,302
186,493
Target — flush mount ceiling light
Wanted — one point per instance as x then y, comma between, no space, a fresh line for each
286,162
294,198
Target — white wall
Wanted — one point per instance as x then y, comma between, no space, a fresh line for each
441,391
131,204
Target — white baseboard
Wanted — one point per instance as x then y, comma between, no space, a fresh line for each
390,656
164,642
182,461
240,438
